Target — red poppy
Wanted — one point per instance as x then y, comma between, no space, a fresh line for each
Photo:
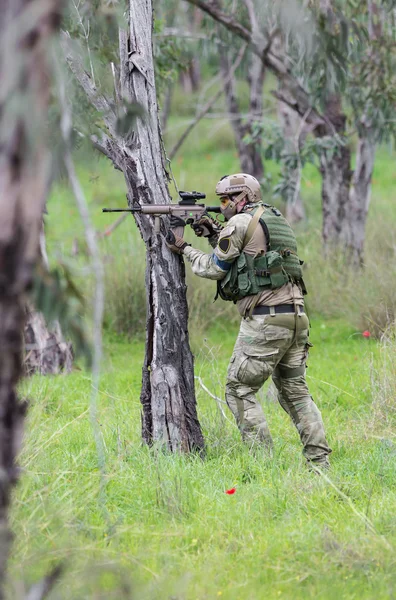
231,491
366,334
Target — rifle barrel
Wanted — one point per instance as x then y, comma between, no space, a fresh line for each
121,209
214,209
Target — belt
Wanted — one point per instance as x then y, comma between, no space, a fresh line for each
278,309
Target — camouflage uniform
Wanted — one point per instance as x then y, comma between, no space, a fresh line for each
275,344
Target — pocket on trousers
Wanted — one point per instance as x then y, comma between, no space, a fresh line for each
253,365
276,332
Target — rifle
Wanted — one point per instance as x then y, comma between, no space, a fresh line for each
186,212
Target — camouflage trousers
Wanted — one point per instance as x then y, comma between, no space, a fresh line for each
275,345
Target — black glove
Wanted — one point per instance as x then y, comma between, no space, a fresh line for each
205,227
175,242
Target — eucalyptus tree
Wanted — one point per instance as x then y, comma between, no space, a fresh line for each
127,132
335,64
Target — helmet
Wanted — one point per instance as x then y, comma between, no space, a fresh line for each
242,184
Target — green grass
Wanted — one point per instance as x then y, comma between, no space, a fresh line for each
166,529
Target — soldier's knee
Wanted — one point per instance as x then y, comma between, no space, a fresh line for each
292,387
250,371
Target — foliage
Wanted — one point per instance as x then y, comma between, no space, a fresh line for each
170,55
291,155
351,52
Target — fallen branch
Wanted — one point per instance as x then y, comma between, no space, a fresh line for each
218,400
40,590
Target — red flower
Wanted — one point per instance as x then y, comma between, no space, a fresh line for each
231,491
366,334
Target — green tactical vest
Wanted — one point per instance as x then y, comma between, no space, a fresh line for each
251,275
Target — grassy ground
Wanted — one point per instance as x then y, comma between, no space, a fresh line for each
163,527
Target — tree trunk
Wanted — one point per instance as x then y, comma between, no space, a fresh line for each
250,154
336,180
346,198
24,31
168,395
359,197
169,412
191,76
335,167
294,134
256,77
46,351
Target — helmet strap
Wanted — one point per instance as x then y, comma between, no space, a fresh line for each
240,197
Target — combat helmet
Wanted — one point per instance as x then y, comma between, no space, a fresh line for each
241,184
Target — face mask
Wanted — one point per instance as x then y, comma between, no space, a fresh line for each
227,208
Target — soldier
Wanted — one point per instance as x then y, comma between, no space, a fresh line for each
256,265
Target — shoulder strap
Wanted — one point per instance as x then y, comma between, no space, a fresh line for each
252,225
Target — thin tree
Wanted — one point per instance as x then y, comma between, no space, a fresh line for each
169,415
249,146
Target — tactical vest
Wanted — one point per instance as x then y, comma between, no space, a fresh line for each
251,275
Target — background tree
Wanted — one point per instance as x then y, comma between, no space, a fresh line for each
46,350
134,145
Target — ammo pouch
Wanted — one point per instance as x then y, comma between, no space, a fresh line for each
251,275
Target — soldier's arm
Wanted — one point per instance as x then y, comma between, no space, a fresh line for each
228,248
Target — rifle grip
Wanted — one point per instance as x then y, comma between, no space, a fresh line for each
177,225
178,231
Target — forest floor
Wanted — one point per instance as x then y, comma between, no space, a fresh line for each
155,526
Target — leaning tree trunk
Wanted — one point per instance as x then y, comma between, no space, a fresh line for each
250,153
25,26
169,414
255,79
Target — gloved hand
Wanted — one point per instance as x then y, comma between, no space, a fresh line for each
175,242
206,227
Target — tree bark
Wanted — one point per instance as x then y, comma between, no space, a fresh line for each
25,27
46,352
168,395
169,414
